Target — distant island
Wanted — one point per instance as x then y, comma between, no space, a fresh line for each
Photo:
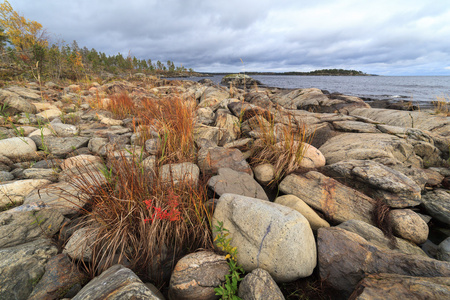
323,72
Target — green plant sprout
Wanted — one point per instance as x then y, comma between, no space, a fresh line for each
229,288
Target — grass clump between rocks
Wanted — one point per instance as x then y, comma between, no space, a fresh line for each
140,218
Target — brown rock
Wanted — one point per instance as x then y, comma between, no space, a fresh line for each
336,201
393,287
196,275
345,258
409,225
210,160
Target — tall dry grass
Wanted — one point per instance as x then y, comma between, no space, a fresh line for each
281,146
139,220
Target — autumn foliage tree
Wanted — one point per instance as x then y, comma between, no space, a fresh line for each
22,33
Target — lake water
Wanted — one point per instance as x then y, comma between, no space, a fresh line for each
420,89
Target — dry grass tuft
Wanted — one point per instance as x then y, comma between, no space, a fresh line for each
173,120
122,105
286,155
442,105
141,222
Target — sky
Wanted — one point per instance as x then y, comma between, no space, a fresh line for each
392,37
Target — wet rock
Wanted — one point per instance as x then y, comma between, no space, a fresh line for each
240,183
395,188
437,204
196,275
393,287
269,236
336,201
375,236
345,258
19,227
210,160
259,285
22,266
409,225
61,276
315,221
18,148
116,283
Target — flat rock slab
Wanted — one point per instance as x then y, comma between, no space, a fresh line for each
196,275
240,183
61,146
339,203
413,119
116,283
267,235
345,258
395,188
370,146
25,226
375,236
22,266
394,287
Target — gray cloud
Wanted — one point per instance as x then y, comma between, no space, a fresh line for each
383,37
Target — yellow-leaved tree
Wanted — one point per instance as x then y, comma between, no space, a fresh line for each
22,33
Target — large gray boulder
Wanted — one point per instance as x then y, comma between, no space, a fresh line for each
22,266
395,188
116,283
336,201
14,103
240,183
212,97
345,258
60,146
268,236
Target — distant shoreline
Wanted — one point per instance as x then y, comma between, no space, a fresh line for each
325,72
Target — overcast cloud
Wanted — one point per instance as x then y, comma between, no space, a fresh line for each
401,37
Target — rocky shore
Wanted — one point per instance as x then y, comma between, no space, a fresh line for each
366,212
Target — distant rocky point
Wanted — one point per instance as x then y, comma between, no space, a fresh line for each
240,80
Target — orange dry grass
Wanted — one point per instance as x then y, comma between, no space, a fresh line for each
173,119
285,155
122,105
